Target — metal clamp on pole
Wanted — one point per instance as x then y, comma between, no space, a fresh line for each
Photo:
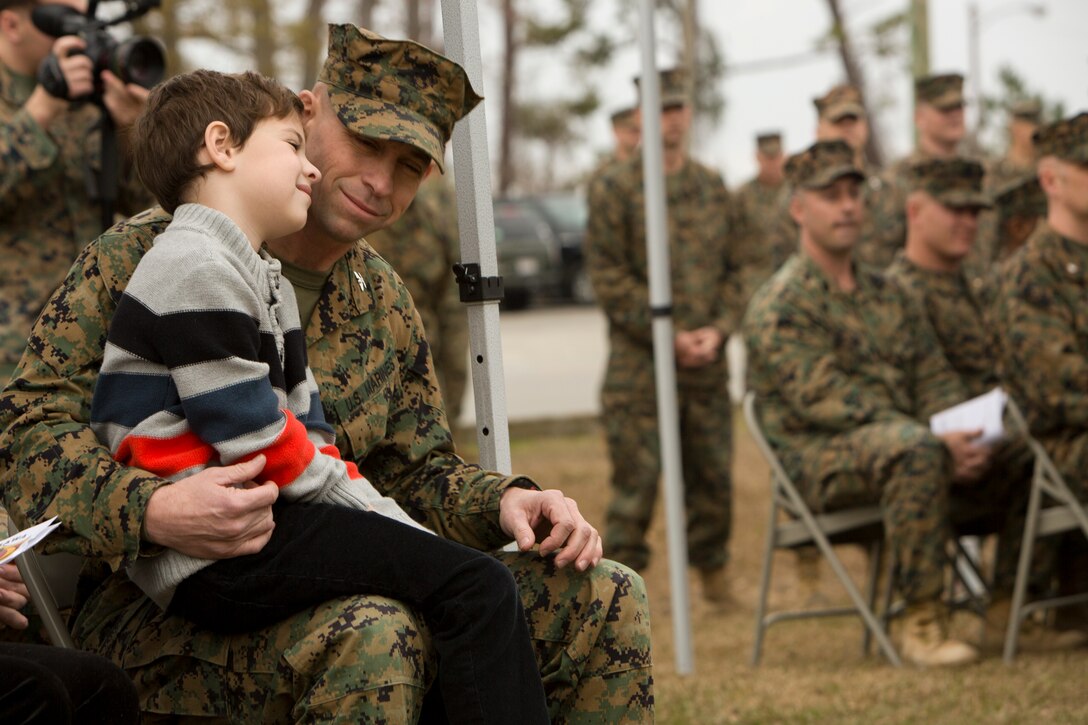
474,287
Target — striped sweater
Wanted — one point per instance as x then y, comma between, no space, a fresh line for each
205,365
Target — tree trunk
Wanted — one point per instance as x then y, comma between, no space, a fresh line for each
856,78
506,100
264,38
313,41
412,20
366,13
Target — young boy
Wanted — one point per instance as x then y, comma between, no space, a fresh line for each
205,364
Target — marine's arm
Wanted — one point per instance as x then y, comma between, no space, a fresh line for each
793,354
622,293
55,465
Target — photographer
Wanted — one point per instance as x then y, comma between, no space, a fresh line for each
48,148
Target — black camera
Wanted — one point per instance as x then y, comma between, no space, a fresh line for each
138,59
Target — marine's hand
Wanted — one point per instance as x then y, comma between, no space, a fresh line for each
217,513
13,597
969,459
124,101
77,69
553,520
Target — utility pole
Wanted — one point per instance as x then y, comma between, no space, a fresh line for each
919,37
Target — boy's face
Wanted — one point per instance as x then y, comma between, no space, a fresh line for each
366,183
275,177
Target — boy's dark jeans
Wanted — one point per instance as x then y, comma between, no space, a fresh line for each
486,669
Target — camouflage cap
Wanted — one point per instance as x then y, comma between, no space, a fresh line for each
840,102
955,182
1021,197
623,115
822,164
1029,110
1067,139
674,87
944,91
396,90
770,143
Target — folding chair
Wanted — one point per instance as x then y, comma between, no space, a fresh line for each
51,582
855,526
1067,515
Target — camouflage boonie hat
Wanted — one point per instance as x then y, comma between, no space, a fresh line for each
943,92
840,102
769,144
956,183
396,90
1020,198
1029,110
822,164
1067,139
674,87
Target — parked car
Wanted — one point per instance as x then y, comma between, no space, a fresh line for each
528,253
566,214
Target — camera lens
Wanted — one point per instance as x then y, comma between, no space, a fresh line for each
139,60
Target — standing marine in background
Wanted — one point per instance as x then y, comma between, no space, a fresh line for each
707,257
422,246
758,201
940,128
48,147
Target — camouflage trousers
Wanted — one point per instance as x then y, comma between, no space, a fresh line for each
706,441
369,659
908,471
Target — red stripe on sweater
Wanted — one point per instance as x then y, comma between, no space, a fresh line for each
288,455
165,456
353,472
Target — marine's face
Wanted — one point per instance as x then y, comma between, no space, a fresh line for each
1069,188
366,183
945,127
854,130
830,218
675,123
32,45
627,134
946,232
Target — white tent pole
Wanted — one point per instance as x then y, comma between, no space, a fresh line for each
472,168
657,248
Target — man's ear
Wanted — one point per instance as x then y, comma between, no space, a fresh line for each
795,207
218,148
428,171
309,104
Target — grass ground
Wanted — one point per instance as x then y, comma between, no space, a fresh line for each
813,671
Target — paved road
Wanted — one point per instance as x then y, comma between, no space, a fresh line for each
554,359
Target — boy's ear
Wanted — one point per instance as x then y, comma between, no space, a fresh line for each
218,147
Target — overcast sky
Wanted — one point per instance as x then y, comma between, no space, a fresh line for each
1050,52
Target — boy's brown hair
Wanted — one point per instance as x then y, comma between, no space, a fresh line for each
168,135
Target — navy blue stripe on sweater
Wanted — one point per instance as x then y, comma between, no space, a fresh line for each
128,398
184,338
294,358
233,411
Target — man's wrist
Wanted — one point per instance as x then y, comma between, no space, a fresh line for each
44,108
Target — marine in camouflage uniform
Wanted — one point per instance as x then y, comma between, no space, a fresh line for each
356,659
758,201
1019,160
1042,306
846,368
422,246
939,104
840,115
707,256
1018,206
44,203
931,269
